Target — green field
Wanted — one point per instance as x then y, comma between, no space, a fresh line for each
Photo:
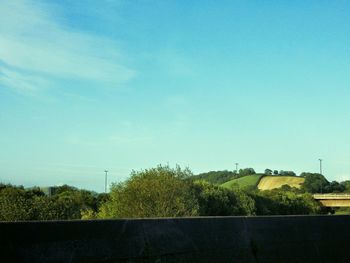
342,211
273,181
243,182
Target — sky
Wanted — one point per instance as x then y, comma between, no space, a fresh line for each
121,85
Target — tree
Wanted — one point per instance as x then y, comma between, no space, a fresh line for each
314,183
275,172
246,171
218,201
268,171
69,202
346,185
280,202
14,206
67,205
17,203
287,173
156,192
64,188
334,187
88,214
45,208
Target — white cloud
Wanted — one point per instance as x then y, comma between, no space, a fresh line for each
21,82
36,50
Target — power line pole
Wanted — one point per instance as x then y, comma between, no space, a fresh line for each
321,174
236,168
106,172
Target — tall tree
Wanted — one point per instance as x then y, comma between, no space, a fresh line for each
156,192
314,183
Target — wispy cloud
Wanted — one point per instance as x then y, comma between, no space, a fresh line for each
36,50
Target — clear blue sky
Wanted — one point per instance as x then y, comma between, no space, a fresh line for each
92,85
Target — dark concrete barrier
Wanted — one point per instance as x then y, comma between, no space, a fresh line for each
207,239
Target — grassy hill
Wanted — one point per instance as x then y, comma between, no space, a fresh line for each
216,177
273,181
243,182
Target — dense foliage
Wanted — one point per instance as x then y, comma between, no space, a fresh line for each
17,203
218,201
157,192
317,183
220,177
346,185
167,192
282,202
217,177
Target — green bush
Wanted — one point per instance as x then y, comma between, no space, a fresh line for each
157,192
218,201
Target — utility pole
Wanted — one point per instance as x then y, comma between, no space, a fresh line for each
321,174
236,168
106,172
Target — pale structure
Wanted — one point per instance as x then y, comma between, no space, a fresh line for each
333,200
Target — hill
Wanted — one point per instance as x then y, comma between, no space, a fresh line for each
265,182
216,177
243,182
272,182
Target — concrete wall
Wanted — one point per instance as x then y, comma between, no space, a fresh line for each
215,239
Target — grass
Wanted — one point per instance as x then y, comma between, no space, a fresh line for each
342,211
273,181
243,182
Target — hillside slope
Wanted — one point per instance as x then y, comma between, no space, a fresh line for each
272,182
246,181
216,177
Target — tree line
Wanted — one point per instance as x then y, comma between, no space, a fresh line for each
162,192
18,203
314,182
